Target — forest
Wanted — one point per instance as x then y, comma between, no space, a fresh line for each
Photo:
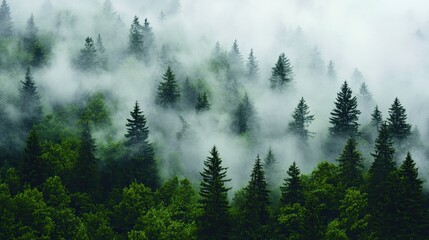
148,120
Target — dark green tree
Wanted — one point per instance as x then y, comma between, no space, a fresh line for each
148,40
202,103
189,93
411,201
214,222
244,117
168,90
142,167
29,102
252,67
271,169
301,119
5,20
376,118
344,117
34,169
282,73
397,121
331,74
235,60
350,165
87,60
135,47
292,189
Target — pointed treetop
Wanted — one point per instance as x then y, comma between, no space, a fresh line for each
252,66
5,20
397,120
376,118
332,73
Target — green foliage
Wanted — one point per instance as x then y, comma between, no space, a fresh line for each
376,118
29,102
33,168
252,72
397,122
168,90
148,40
88,59
350,165
291,221
301,119
135,47
292,189
282,74
202,103
353,214
244,117
96,111
5,20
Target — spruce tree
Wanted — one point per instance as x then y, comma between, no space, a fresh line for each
243,118
257,203
397,120
168,90
202,103
271,168
88,58
235,60
252,67
189,93
282,73
30,36
344,117
411,201
29,102
376,118
136,39
143,166
214,222
365,94
148,40
301,120
331,74
350,165
34,169
292,189
5,20
101,50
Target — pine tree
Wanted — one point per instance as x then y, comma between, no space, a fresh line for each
365,94
101,50
376,118
87,60
148,40
301,120
397,120
257,203
168,92
34,169
252,67
243,118
292,189
32,29
282,73
214,221
5,20
136,39
202,103
344,117
411,210
235,60
350,165
271,168
143,166
29,103
331,74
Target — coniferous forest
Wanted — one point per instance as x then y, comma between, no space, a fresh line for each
213,120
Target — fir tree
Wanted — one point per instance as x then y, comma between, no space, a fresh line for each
29,103
301,119
136,39
292,189
189,93
31,30
87,60
331,74
168,92
235,60
411,210
350,165
101,50
365,94
34,169
252,66
257,203
376,118
282,73
271,168
202,103
5,20
137,131
344,117
243,118
148,40
214,222
397,120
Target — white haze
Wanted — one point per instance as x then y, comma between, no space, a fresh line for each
377,37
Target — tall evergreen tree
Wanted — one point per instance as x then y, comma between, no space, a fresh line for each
34,169
376,118
350,165
143,166
257,203
411,210
101,50
331,74
397,120
32,29
365,94
292,189
148,40
202,103
87,60
252,66
214,222
189,93
282,73
344,117
301,120
243,118
5,20
168,90
235,60
29,103
136,39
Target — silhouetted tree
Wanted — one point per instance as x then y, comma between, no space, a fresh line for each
189,93
344,117
301,119
148,40
87,60
136,39
397,121
202,103
292,189
5,20
235,60
29,102
101,50
376,118
252,67
168,90
282,73
34,169
214,222
350,165
243,118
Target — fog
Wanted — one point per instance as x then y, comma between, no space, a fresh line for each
386,41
